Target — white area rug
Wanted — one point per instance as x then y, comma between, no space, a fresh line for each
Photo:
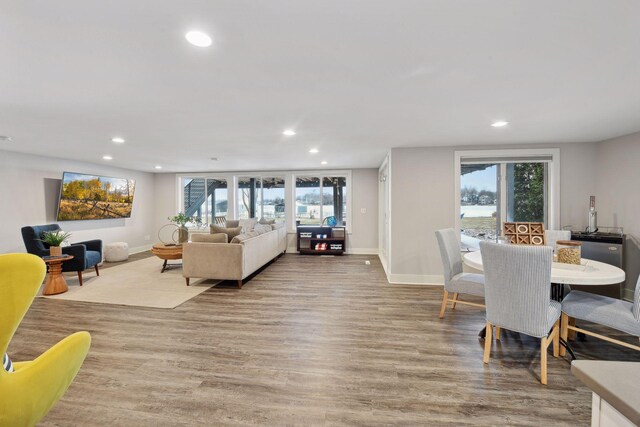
137,283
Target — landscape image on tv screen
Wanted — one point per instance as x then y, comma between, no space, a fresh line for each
94,197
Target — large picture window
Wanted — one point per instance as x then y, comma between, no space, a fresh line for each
261,198
493,190
318,198
205,198
273,195
304,198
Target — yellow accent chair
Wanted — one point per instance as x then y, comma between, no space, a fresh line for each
28,393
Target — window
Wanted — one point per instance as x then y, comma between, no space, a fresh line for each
320,197
313,196
494,189
273,199
217,201
308,210
261,198
249,198
479,201
204,198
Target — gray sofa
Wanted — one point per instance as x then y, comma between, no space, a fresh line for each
209,256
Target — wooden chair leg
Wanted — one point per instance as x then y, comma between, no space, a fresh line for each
455,299
239,284
80,277
544,345
187,279
487,342
564,331
498,333
444,304
556,339
572,333
97,271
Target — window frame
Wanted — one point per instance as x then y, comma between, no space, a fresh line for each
289,189
261,177
321,175
489,156
180,191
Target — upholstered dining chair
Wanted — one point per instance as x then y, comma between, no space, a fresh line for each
455,281
86,254
518,295
615,313
31,390
552,236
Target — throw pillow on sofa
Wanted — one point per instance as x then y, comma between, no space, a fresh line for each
232,223
261,229
248,224
244,236
267,221
209,238
230,232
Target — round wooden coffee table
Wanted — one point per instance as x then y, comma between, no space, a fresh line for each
167,252
55,283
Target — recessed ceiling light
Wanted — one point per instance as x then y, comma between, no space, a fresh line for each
5,138
198,38
313,151
117,140
158,167
499,124
324,162
107,158
289,132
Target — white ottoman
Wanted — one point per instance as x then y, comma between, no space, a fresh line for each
116,251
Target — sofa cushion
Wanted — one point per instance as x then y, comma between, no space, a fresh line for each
230,232
244,236
277,225
232,223
267,221
210,238
248,224
261,228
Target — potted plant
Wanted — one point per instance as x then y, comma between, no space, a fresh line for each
182,220
54,239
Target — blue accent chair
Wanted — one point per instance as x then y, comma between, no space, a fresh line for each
85,254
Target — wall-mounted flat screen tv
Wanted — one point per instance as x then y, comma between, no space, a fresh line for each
85,196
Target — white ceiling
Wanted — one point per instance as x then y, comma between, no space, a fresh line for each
354,78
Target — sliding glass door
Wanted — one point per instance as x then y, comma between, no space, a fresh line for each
498,192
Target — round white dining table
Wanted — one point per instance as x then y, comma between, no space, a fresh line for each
589,272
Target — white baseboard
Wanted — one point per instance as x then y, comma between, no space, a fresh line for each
416,279
362,251
383,261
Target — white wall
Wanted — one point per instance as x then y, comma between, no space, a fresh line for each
422,201
618,196
165,201
364,188
364,231
29,190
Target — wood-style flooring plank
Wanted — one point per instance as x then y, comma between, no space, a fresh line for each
307,341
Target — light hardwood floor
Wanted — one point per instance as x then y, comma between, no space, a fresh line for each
308,341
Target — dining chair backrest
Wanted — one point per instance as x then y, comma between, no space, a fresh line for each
517,286
552,236
636,301
450,253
